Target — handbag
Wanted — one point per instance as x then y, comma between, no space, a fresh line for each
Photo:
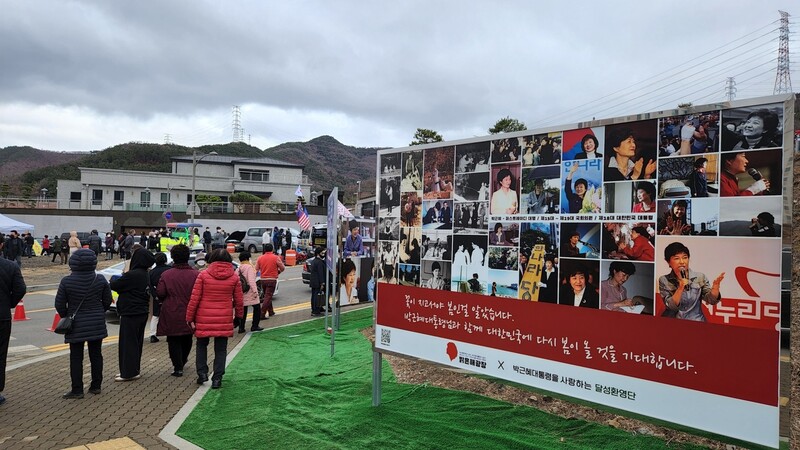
64,325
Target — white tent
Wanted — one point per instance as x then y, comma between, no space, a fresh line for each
7,224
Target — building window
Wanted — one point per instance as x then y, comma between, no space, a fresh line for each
75,196
97,197
119,198
165,200
144,199
254,175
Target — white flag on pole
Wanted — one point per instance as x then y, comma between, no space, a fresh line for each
299,191
343,211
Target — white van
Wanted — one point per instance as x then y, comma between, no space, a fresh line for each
252,238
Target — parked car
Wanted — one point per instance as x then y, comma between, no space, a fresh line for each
115,271
307,270
252,239
236,238
82,235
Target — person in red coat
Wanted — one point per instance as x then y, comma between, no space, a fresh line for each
642,249
173,292
209,313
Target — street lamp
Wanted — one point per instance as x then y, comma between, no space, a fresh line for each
147,198
195,160
43,191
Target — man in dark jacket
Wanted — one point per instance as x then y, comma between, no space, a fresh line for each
317,282
95,243
133,306
12,289
28,245
14,247
207,239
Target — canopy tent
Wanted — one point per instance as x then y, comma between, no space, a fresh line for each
7,224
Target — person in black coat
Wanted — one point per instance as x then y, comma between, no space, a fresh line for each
88,296
95,243
12,289
133,306
577,286
317,282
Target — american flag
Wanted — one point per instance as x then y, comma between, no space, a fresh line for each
302,217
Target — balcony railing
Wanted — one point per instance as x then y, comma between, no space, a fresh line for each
205,207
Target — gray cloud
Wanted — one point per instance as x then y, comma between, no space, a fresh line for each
400,65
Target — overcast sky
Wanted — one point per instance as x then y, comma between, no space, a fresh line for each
86,75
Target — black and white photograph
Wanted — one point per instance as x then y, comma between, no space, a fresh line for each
472,157
470,217
469,256
435,275
472,187
387,253
412,171
389,229
390,196
390,165
410,245
437,244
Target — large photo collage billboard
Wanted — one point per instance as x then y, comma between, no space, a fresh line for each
635,264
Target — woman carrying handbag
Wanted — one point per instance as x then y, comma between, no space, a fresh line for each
85,296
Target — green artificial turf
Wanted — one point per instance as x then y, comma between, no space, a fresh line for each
284,391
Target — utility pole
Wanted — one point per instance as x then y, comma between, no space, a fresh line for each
730,89
783,79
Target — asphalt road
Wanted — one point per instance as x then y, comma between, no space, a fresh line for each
31,339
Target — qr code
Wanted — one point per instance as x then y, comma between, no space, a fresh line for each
386,336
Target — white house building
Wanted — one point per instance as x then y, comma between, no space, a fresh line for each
222,176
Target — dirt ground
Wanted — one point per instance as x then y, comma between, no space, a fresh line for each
39,270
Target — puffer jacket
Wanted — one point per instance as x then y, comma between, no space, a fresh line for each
250,297
216,294
134,285
174,290
90,321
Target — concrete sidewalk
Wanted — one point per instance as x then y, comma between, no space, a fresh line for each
36,417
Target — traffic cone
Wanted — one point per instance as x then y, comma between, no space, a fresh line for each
55,322
19,312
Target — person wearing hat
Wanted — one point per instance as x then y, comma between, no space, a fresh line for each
354,244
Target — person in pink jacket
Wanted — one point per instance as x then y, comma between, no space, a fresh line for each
251,296
209,313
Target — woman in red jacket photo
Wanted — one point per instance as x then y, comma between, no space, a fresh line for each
209,313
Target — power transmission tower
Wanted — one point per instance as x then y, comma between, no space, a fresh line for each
237,124
783,79
167,139
730,89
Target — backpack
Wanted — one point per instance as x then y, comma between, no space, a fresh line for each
245,284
